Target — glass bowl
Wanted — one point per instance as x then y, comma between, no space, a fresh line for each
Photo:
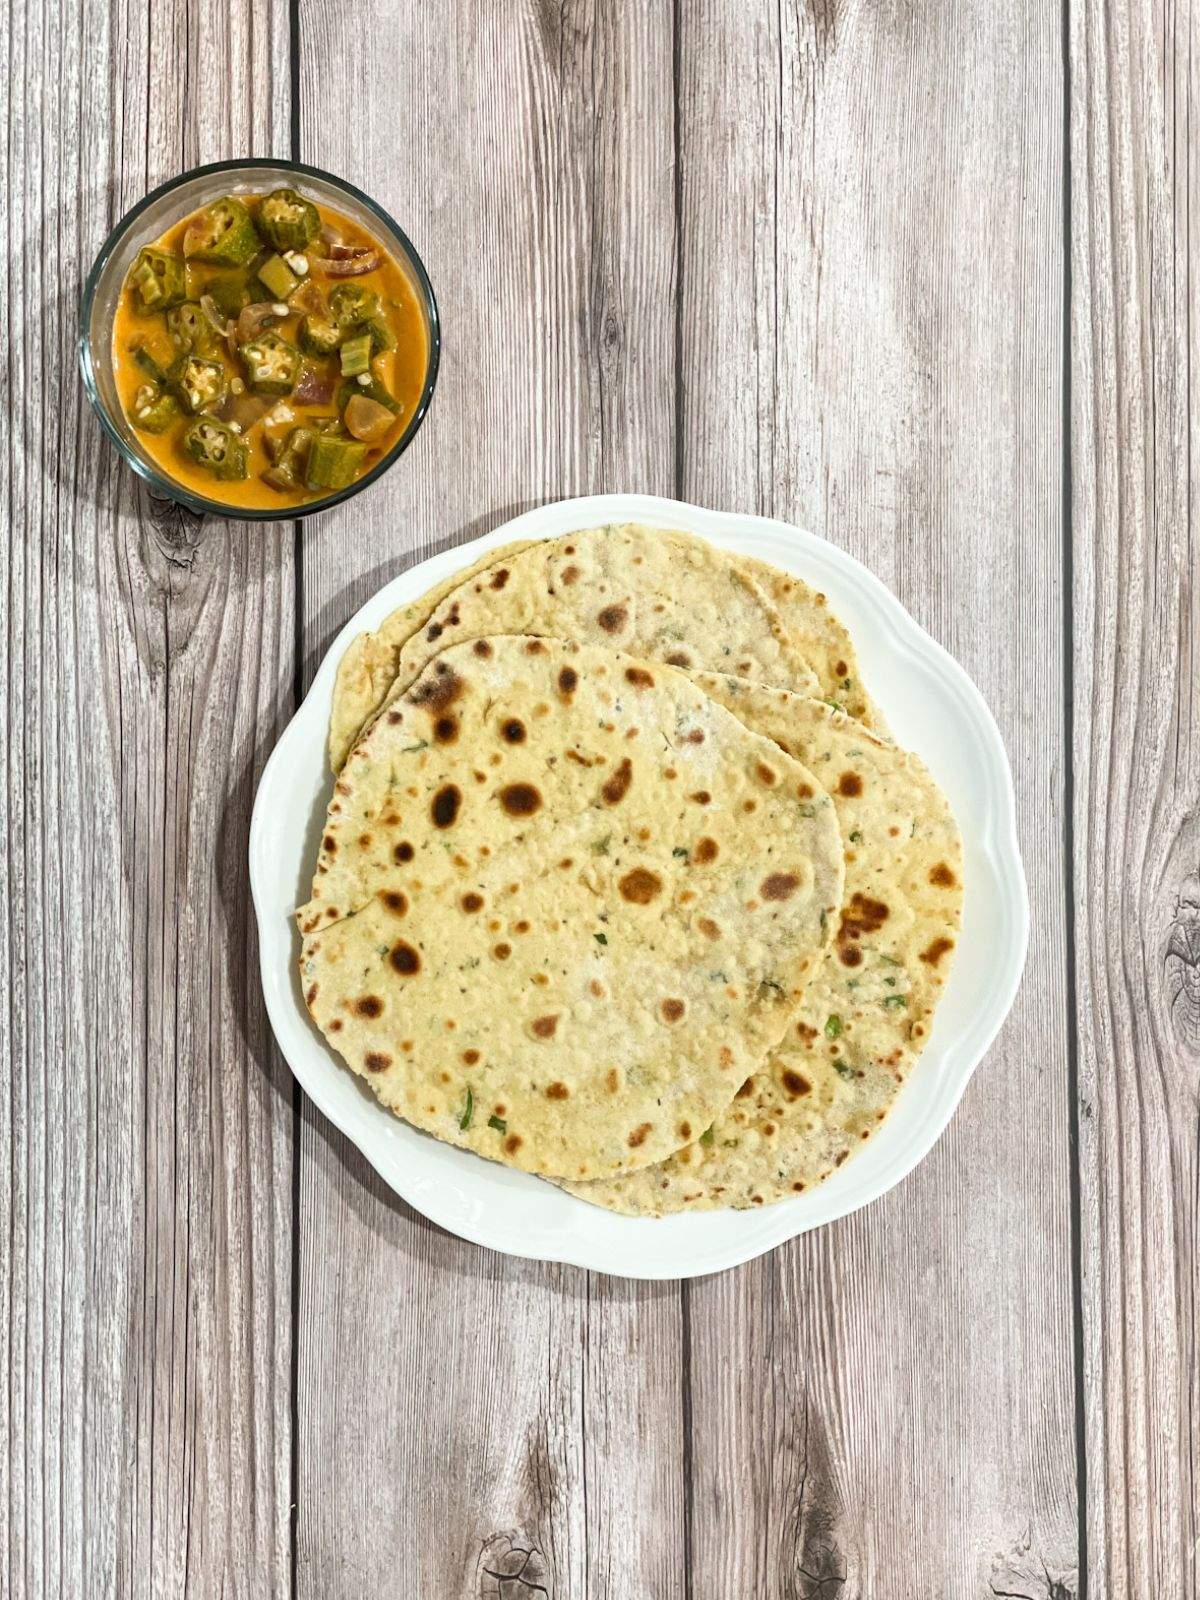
148,219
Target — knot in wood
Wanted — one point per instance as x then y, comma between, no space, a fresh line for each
512,1567
1182,965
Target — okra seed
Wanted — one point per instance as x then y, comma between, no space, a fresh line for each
364,380
279,309
237,386
300,264
235,427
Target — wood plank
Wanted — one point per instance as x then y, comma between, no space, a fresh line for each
458,1409
870,280
145,1210
1135,449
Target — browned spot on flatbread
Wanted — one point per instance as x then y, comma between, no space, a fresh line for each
471,1057
311,996
376,1061
779,886
544,1027
849,785
701,797
840,668
639,677
863,915
672,1010
445,806
336,1025
499,578
725,1056
640,886
557,1091
766,774
804,790
706,850
368,1005
403,851
395,902
934,953
512,731
679,658
364,840
513,1143
520,799
942,877
638,1135
612,1080
404,958
616,786
330,844
708,928
695,736
613,618
394,717
502,951
568,682
569,574
471,901
438,690
796,1083
482,648
445,729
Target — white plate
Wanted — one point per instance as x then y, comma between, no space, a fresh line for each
932,707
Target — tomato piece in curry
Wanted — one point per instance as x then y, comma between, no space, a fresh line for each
268,351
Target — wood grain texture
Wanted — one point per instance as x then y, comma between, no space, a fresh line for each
145,1210
1135,87
471,1425
870,281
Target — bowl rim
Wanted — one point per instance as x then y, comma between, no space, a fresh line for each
176,491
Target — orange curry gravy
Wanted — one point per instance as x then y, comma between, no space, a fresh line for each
401,370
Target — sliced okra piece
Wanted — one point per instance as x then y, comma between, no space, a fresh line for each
150,363
356,355
332,462
289,467
154,410
231,293
201,385
373,389
190,329
214,445
278,277
156,281
320,336
288,220
223,234
380,330
351,303
272,364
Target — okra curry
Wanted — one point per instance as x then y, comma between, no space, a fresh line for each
268,351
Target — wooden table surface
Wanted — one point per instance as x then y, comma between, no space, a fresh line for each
916,274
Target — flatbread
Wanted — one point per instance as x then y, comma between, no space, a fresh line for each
822,639
654,593
368,669
565,904
866,1015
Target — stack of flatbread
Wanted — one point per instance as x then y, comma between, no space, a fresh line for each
623,881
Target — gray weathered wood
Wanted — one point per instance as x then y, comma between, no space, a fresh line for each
863,333
452,1401
1135,86
145,1207
871,346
